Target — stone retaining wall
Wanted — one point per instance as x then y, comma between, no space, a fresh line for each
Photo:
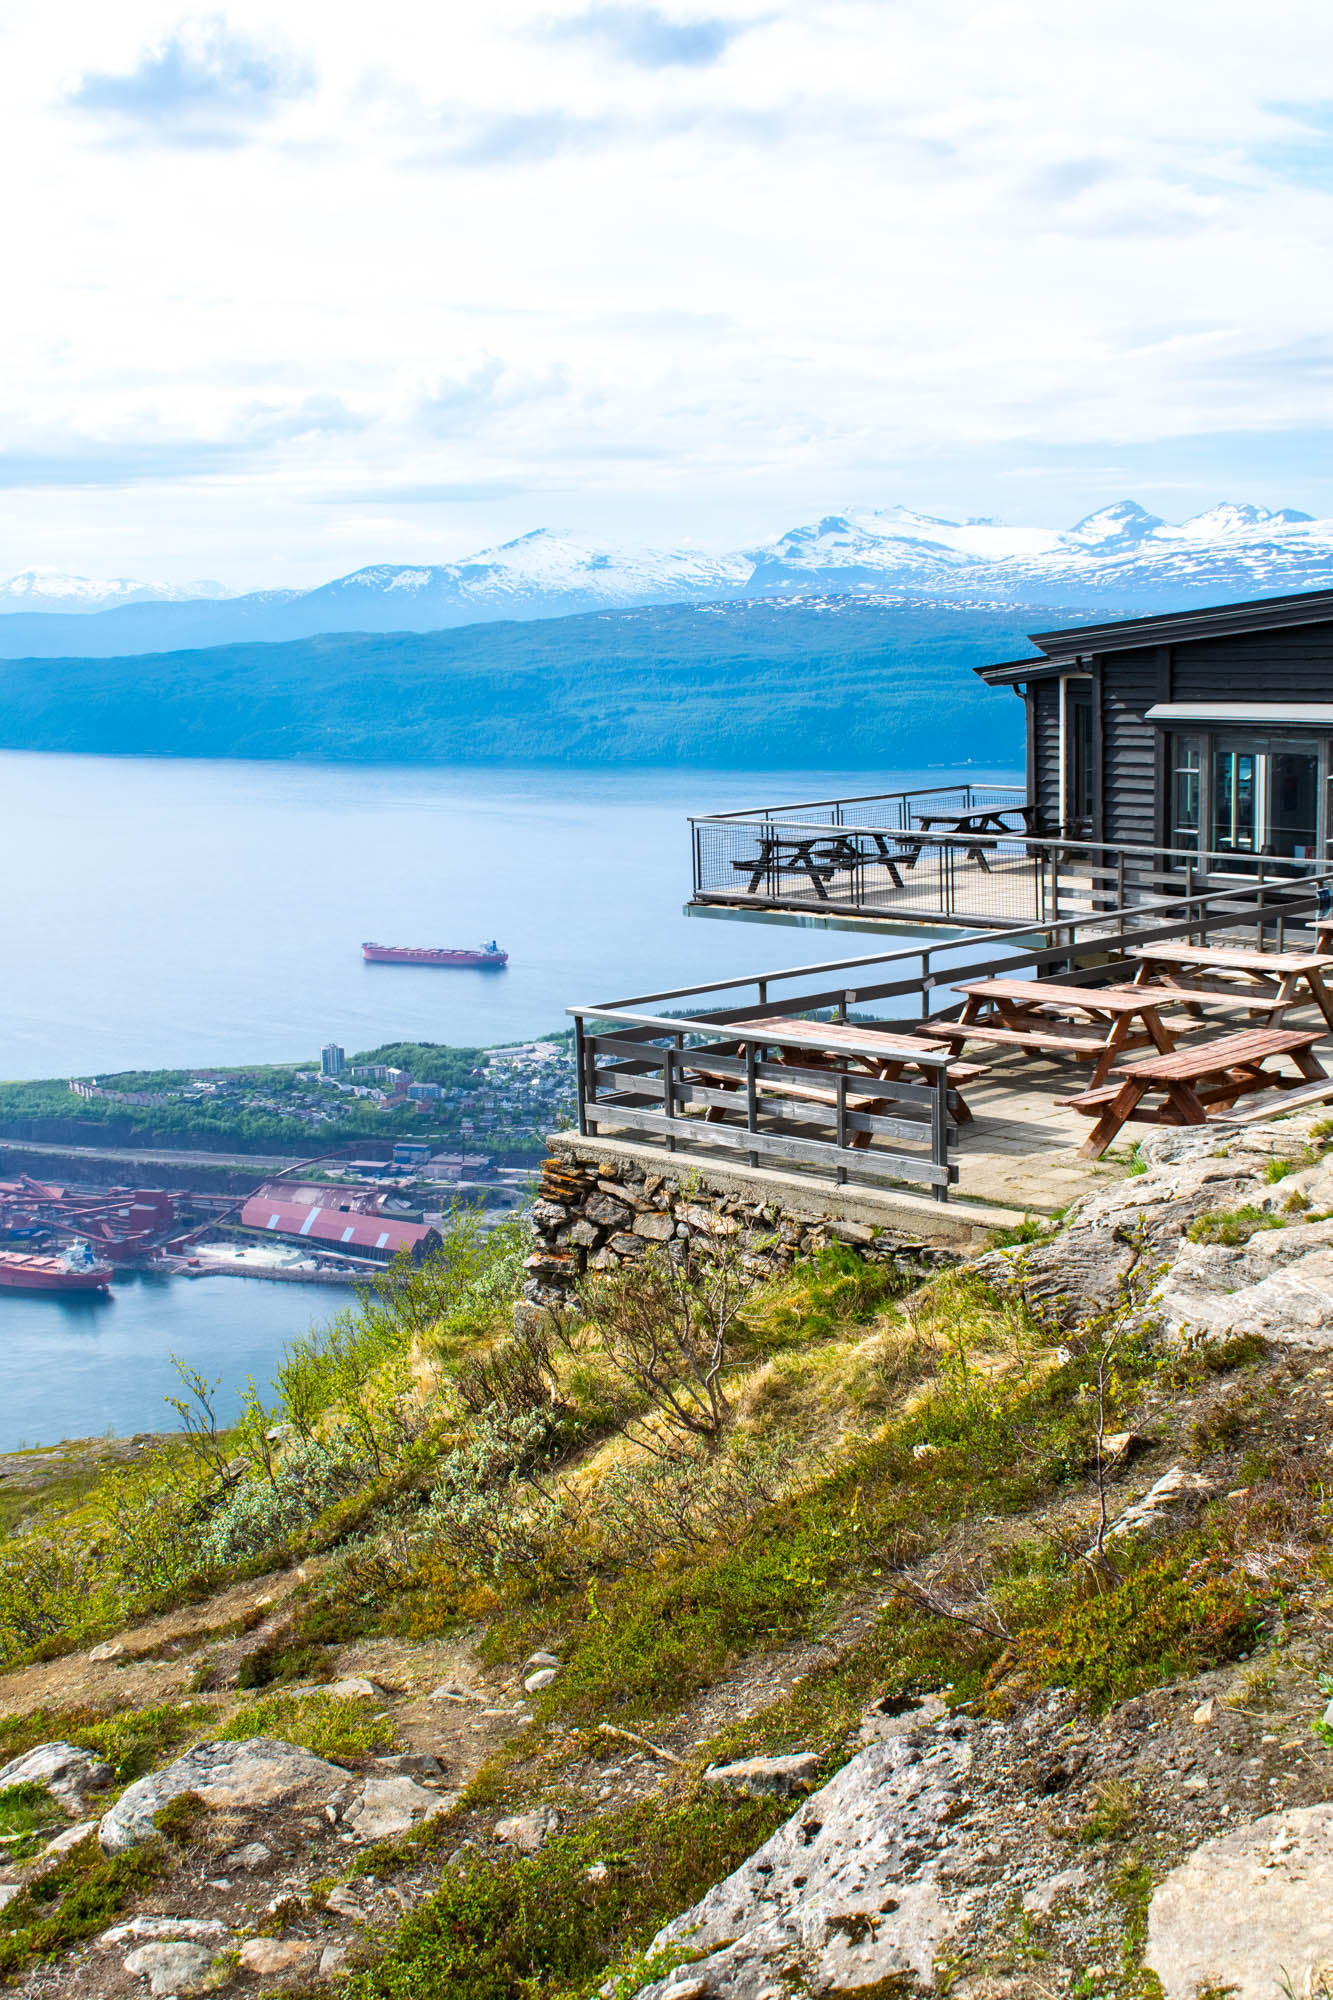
596,1212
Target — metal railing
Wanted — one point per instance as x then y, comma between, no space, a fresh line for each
699,1078
885,863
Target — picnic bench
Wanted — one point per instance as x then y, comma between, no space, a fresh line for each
1267,981
805,1046
1036,1014
820,856
1192,1080
986,824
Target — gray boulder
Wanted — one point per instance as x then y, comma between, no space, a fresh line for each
1250,1914
171,1968
65,1770
527,1831
262,1772
848,1893
1164,1506
386,1806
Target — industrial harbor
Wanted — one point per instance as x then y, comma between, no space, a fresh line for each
385,1160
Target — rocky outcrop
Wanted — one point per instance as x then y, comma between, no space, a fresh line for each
67,1772
1250,1914
262,1772
1131,1239
849,1892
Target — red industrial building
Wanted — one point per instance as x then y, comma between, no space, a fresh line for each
373,1236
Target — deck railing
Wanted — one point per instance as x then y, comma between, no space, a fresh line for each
881,862
687,1070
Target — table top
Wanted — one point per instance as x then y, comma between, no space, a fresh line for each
835,1034
1085,999
1250,1045
1238,957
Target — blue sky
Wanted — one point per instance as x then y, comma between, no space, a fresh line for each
296,289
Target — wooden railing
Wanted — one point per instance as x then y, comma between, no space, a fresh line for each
655,1066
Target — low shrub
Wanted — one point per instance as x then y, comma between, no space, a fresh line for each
344,1728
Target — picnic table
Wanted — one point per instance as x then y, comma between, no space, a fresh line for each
1087,1022
1265,980
816,1045
820,856
985,823
1193,1079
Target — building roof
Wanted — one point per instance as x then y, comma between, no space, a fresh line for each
1072,645
334,1226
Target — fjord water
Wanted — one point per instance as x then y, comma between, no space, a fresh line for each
159,913
162,912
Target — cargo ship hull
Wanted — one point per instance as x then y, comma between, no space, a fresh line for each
24,1272
490,958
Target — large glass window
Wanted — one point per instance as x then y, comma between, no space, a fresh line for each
1244,794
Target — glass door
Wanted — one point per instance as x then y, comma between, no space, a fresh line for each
1236,817
1186,791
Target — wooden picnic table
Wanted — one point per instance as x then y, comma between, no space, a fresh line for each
1193,1079
1087,1022
885,1058
820,856
1265,980
986,823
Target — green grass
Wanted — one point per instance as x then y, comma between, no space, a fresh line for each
81,1895
29,1812
344,1728
131,1740
511,1928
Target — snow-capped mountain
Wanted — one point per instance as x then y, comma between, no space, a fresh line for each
53,590
1121,555
542,574
1121,558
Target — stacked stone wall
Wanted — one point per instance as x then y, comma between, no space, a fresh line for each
594,1215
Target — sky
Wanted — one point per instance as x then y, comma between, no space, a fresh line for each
295,289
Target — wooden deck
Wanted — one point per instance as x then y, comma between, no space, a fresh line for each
1020,1151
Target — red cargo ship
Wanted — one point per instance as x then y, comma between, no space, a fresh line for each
407,954
77,1271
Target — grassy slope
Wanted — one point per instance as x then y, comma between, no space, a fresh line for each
747,685
889,1453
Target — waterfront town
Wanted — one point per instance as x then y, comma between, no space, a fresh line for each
363,1160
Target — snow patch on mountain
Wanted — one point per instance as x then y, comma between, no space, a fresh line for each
54,590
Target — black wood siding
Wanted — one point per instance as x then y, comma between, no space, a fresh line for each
1045,779
1129,747
1291,665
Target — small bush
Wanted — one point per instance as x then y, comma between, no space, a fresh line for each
1180,1613
28,1816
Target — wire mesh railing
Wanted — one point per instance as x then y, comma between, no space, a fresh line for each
911,863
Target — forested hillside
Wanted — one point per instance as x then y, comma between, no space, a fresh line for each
758,685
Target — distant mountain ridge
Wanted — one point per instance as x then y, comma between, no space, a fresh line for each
1121,557
771,684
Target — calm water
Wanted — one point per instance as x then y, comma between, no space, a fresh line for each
80,1367
158,913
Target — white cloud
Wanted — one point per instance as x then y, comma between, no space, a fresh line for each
658,269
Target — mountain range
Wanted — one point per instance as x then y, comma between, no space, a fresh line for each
1120,558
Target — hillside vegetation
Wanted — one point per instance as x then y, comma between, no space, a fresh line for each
698,1520
749,685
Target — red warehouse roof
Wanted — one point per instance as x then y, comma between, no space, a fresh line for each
358,1234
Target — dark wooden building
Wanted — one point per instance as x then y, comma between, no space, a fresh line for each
1208,730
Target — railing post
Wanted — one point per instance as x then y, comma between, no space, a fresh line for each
669,1091
751,1098
840,1171
1120,880
1189,901
939,1129
584,1075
